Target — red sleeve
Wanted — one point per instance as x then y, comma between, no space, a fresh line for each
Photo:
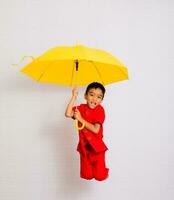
100,115
74,107
78,107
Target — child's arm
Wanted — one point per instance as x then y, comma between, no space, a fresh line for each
91,127
69,112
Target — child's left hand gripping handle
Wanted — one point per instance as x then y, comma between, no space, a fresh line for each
77,126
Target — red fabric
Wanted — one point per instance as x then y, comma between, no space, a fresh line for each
92,159
96,115
93,166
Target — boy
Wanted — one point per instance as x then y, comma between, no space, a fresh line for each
91,146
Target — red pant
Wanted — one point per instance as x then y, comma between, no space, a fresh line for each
92,165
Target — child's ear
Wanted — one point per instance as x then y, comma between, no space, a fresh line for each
85,96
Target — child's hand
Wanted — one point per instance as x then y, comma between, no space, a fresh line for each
75,92
77,115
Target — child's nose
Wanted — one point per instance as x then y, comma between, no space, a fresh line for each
95,98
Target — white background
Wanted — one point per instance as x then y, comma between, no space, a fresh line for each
38,158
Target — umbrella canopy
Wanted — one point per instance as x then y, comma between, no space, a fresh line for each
76,65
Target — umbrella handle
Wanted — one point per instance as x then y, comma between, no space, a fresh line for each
77,127
23,58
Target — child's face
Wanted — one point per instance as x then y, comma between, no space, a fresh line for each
94,97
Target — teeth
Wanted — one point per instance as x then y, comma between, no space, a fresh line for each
93,104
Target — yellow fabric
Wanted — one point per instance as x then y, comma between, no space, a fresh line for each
57,66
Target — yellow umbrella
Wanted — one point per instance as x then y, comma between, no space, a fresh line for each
76,65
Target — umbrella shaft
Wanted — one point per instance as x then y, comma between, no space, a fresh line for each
77,65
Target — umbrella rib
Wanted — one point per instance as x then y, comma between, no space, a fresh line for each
123,72
98,72
117,68
42,74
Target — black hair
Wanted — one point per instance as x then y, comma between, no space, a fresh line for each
95,85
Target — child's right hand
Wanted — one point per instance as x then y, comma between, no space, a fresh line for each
75,92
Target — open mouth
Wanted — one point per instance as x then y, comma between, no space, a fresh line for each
92,104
